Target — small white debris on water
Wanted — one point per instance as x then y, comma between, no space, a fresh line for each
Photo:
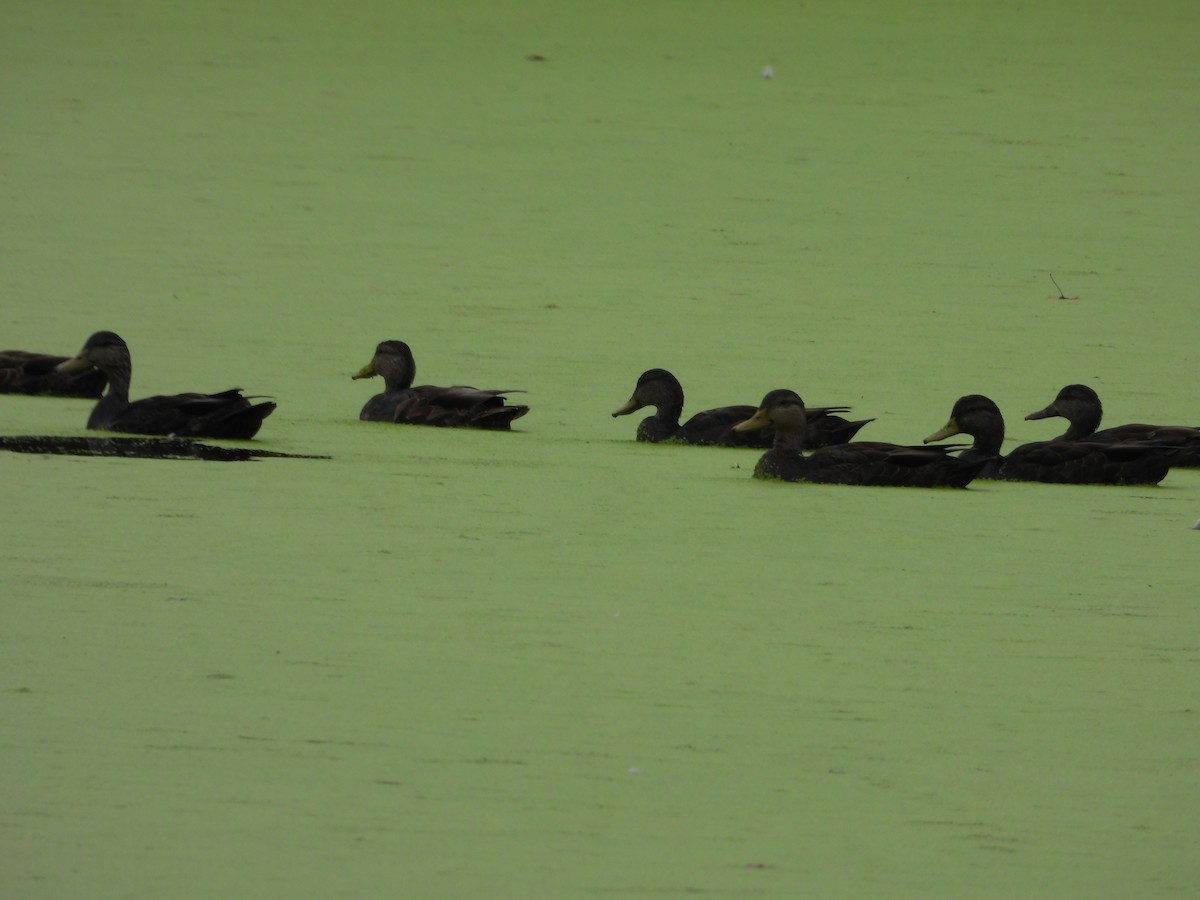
635,771
768,72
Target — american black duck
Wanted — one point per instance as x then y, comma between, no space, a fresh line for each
714,427
427,404
860,462
23,372
228,414
1058,461
1080,406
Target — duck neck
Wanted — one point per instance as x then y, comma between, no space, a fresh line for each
398,378
655,428
115,399
785,460
790,441
988,439
1084,423
667,401
668,407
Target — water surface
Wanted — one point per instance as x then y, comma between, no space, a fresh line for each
557,662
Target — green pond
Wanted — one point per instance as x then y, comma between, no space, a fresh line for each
557,662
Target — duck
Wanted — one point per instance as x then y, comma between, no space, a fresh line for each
228,414
1057,461
858,462
1080,406
26,372
428,404
715,427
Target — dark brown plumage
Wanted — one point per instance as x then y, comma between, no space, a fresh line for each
860,462
228,414
428,404
23,372
1057,461
1080,406
714,427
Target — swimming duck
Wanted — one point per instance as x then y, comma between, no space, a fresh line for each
1080,405
428,404
859,462
1058,461
662,390
224,415
23,372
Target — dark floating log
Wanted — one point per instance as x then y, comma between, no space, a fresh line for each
137,447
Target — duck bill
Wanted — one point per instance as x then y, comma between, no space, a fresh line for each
367,371
631,405
1048,413
756,422
77,363
948,430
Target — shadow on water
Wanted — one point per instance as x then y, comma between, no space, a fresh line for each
139,447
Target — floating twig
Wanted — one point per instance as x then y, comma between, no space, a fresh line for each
1061,295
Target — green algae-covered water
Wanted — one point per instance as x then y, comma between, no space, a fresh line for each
556,662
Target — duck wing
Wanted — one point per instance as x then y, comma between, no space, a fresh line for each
1087,462
825,427
714,427
456,406
228,414
1184,439
890,465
